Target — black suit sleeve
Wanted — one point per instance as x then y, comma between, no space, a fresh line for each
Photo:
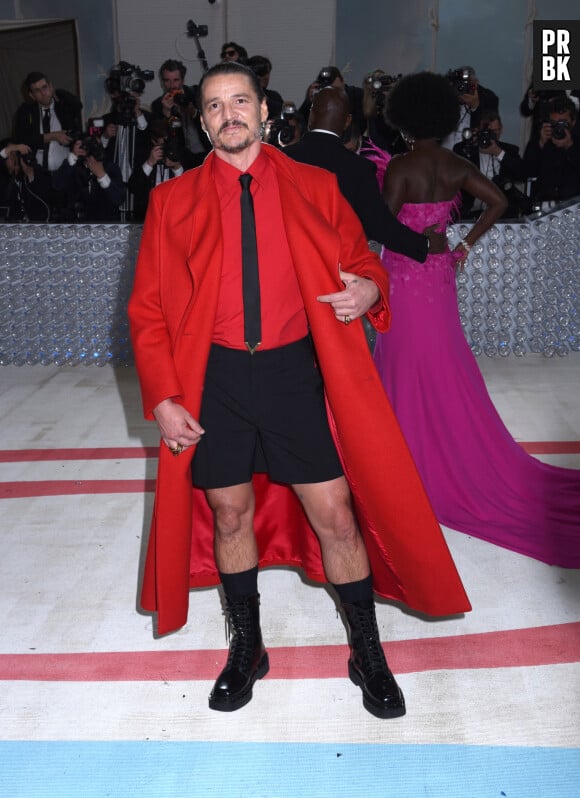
380,224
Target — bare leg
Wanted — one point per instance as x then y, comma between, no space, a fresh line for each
329,510
235,553
234,540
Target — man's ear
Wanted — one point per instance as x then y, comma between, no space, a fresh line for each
348,121
264,110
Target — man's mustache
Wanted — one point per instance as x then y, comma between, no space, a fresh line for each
232,123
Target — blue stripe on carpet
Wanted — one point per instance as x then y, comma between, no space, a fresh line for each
274,770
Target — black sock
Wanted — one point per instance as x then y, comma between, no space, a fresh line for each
352,592
240,585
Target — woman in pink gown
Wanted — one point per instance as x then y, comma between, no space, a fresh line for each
479,480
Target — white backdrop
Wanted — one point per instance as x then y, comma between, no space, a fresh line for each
297,37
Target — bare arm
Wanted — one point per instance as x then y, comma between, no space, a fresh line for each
395,184
494,199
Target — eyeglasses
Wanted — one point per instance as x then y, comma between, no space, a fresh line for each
229,53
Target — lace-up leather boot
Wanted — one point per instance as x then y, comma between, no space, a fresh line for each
367,666
247,659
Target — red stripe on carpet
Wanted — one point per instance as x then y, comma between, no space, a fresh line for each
544,645
95,453
77,487
551,447
132,452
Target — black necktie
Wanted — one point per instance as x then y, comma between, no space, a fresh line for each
250,276
45,129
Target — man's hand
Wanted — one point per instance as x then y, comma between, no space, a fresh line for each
545,133
95,166
23,149
59,135
176,425
471,100
358,296
156,155
437,240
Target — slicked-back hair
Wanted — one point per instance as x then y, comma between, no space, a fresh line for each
424,105
229,68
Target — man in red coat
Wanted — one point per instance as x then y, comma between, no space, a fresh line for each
280,450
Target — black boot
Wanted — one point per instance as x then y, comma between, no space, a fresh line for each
247,660
367,666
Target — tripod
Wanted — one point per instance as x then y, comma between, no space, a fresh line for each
124,156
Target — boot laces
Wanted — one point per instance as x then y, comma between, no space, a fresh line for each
240,635
371,649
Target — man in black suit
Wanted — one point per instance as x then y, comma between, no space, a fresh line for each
474,99
45,122
322,146
497,160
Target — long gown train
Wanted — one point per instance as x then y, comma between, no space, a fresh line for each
479,480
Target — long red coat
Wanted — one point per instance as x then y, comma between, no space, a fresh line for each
172,310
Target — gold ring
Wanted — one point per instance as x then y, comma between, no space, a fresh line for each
177,450
347,320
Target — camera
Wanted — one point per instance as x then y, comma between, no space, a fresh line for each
174,142
325,77
26,158
90,142
461,80
124,80
380,85
559,129
469,142
196,30
281,131
129,78
485,137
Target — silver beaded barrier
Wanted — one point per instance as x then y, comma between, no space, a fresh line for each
64,290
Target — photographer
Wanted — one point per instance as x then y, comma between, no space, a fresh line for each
94,187
262,67
331,76
178,100
376,87
285,129
25,190
474,99
499,161
553,157
44,123
168,158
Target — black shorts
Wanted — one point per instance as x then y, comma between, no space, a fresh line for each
264,413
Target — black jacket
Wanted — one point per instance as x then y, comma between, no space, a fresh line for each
140,184
27,121
511,169
86,200
557,171
358,183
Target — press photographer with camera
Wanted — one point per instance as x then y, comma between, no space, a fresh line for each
44,123
168,158
376,88
497,160
262,67
474,99
25,190
332,76
178,101
93,185
553,156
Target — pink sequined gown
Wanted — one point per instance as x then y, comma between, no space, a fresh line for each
479,480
